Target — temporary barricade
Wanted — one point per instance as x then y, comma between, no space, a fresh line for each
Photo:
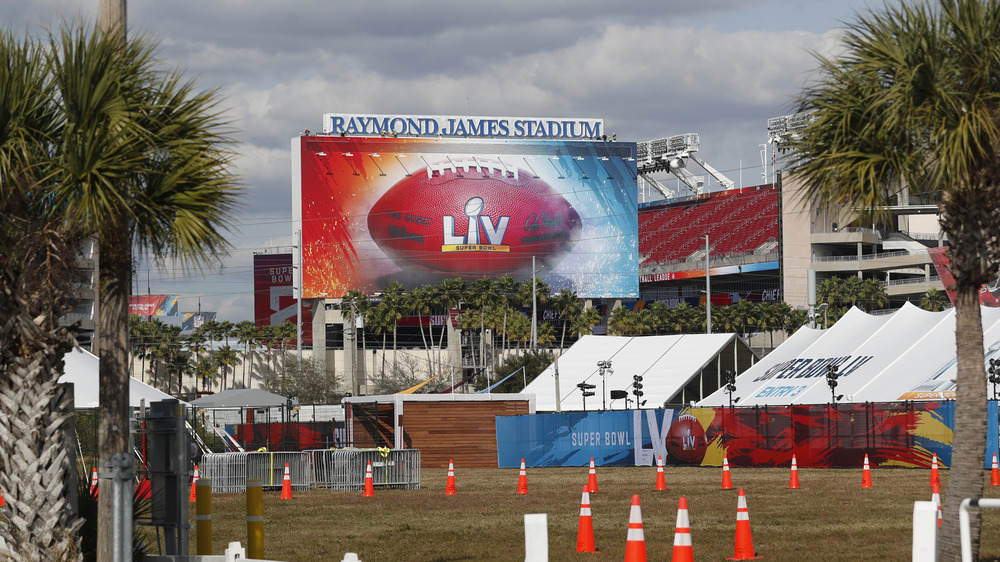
339,469
344,469
230,471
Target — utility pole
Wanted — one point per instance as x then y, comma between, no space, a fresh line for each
534,308
708,289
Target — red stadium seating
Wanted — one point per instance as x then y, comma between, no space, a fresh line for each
737,221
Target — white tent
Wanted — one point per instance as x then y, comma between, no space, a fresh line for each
908,355
675,369
82,370
240,398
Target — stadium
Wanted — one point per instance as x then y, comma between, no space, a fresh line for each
642,229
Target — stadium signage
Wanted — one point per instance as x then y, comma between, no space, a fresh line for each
356,124
810,368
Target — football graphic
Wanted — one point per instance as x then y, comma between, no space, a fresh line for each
473,218
686,440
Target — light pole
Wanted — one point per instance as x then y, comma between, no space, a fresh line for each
604,367
994,375
730,385
586,390
831,380
823,306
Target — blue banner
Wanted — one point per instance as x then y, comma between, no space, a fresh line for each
612,438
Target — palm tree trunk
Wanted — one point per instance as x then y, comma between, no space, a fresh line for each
968,446
116,278
38,522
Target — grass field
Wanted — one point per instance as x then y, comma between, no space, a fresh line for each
829,518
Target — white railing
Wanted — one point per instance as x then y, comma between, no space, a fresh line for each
866,257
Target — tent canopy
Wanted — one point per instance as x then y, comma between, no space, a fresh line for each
240,398
908,355
674,369
82,370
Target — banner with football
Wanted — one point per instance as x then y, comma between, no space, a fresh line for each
374,210
891,434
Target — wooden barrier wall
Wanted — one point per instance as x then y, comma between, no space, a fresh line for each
462,431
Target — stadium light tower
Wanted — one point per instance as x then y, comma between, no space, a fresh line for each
731,386
994,375
670,155
831,380
604,368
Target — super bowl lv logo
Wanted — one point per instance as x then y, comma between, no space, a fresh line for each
652,442
477,223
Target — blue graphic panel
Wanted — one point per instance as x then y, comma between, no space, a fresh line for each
992,433
612,438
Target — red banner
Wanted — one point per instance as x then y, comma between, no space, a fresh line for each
942,265
153,305
272,290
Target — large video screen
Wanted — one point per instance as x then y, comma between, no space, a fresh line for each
419,210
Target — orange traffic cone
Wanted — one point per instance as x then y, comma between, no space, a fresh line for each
744,539
522,480
866,475
793,480
935,475
635,545
592,482
286,485
585,533
661,481
682,535
936,498
727,480
94,483
449,489
369,483
194,479
995,473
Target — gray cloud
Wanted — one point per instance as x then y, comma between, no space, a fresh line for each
649,68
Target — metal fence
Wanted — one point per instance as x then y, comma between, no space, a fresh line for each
230,471
344,469
339,469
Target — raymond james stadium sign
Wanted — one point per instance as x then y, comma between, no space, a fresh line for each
457,126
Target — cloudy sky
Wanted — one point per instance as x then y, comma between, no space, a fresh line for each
649,68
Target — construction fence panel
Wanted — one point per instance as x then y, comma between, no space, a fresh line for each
230,471
344,469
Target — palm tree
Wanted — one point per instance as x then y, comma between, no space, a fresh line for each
37,273
179,363
746,317
357,306
546,334
686,318
624,321
212,330
568,305
225,359
138,335
507,289
270,340
934,300
910,103
773,316
585,322
247,333
482,293
660,315
420,301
